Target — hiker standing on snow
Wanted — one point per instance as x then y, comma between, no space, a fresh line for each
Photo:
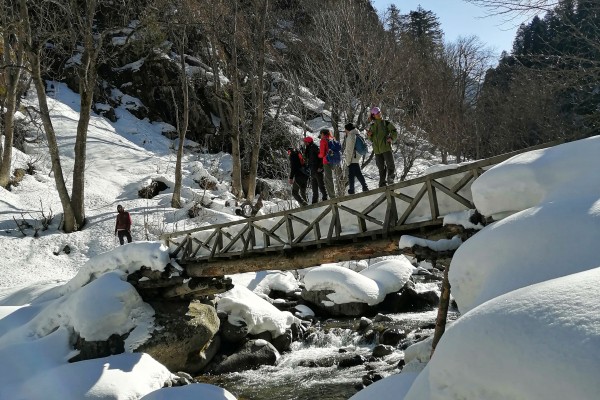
298,178
315,165
123,225
353,159
382,134
327,167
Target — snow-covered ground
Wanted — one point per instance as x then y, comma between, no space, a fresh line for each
526,284
528,287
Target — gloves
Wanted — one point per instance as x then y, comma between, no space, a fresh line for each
389,140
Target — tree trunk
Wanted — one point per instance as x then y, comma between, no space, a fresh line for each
78,192
176,199
87,83
13,73
257,123
442,317
69,222
236,174
12,83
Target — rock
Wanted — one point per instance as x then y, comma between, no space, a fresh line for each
283,342
185,331
199,361
317,297
409,300
154,188
392,336
401,364
364,323
89,350
369,336
233,333
251,355
382,350
382,318
320,363
352,361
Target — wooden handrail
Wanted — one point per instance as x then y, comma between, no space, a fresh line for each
300,232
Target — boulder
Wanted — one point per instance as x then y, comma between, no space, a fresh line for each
283,342
89,350
392,336
251,355
409,300
319,299
382,350
351,361
186,330
233,333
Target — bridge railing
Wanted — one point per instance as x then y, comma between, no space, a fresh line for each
406,205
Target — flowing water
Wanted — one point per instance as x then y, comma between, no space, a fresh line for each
310,370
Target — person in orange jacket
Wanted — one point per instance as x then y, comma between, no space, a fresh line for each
327,168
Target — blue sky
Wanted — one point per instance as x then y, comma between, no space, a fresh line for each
459,18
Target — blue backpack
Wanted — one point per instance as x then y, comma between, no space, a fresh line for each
360,146
334,155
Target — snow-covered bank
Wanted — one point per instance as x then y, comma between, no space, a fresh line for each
529,283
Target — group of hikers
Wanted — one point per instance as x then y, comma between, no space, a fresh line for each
316,163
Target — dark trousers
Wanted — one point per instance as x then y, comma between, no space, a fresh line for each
318,184
123,233
355,172
386,167
299,189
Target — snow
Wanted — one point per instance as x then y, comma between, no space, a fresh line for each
263,282
47,296
526,284
259,315
528,288
408,241
370,285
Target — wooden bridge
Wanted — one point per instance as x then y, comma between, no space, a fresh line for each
358,226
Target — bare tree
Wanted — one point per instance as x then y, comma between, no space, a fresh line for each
181,19
469,60
34,40
71,25
257,90
12,65
512,8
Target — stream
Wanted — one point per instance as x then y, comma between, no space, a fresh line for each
309,371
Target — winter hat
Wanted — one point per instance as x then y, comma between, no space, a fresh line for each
349,126
308,140
375,111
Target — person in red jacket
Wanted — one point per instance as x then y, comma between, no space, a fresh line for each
327,168
123,225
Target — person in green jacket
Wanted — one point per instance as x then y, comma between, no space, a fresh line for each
382,134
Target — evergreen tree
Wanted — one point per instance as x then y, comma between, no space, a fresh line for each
423,27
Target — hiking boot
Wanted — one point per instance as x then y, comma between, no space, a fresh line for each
365,189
